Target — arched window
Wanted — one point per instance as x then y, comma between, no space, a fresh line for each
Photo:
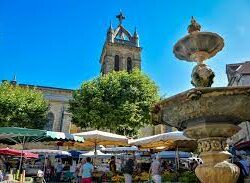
129,64
50,121
117,63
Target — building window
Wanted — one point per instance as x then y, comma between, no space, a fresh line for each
117,63
50,121
129,64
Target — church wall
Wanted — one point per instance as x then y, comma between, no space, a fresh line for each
123,52
58,104
109,64
66,122
57,109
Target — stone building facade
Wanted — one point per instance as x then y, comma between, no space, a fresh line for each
239,75
59,118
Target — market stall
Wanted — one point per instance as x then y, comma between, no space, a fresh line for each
95,138
50,156
18,153
15,135
167,141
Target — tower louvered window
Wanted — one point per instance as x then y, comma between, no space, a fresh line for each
129,64
117,63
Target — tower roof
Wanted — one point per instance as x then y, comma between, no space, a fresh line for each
121,37
120,17
135,33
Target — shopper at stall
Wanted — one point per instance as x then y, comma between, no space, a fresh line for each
78,172
1,176
49,171
59,168
112,165
155,170
2,165
128,170
87,171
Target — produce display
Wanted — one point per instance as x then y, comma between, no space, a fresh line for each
144,176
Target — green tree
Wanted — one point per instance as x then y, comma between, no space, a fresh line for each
22,107
118,101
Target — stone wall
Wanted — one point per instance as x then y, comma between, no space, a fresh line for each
58,105
123,51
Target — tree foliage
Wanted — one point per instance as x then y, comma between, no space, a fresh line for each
22,107
118,101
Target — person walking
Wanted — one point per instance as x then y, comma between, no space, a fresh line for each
155,170
128,170
87,171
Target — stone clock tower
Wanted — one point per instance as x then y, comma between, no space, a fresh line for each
121,50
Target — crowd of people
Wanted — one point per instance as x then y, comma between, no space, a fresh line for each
83,171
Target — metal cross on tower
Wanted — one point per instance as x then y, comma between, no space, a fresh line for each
120,17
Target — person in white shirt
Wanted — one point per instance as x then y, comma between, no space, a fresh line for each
155,170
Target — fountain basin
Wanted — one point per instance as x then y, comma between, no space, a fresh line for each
198,46
207,105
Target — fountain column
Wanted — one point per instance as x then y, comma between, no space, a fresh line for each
213,148
210,134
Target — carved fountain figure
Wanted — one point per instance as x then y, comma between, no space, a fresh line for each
208,114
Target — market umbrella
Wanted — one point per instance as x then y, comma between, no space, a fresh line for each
92,154
17,153
172,154
48,152
15,135
96,137
75,154
170,140
120,149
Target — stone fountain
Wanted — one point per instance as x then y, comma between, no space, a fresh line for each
208,114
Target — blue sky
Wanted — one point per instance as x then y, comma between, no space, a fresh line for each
59,42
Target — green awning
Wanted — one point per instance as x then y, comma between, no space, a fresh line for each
15,135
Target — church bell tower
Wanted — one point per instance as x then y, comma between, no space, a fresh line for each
121,50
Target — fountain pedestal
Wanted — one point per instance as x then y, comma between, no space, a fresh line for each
213,148
209,115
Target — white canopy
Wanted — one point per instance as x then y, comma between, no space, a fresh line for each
162,140
172,154
98,154
48,151
96,137
120,149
